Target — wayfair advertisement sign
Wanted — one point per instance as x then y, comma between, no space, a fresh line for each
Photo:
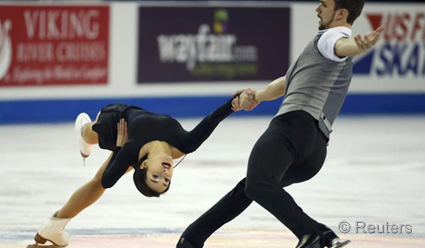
212,44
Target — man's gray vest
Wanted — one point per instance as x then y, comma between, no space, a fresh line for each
317,85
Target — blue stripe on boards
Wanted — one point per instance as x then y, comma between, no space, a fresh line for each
65,110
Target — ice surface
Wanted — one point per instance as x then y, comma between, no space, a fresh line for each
374,173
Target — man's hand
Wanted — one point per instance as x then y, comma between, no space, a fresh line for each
122,137
245,100
369,40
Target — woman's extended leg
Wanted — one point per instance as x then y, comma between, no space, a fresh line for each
85,196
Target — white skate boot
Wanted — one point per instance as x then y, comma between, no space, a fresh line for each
85,148
53,230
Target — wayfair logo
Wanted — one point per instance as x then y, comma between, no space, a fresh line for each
191,49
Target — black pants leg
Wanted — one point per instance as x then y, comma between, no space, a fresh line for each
291,150
230,206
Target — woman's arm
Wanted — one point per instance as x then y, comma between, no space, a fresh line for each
122,157
194,139
114,170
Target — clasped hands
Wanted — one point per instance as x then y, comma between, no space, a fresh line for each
244,99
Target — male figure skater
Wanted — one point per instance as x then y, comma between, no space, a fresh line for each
293,148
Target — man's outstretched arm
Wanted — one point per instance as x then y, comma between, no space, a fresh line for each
356,45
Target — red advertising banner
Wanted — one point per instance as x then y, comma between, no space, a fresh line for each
54,45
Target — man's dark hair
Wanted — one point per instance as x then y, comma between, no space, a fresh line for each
139,179
354,8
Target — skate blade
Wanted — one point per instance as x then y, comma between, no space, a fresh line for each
40,240
341,244
42,246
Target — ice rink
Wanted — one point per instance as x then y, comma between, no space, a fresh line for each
374,173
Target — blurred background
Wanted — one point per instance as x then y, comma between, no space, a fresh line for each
59,58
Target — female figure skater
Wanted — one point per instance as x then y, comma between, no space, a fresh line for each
149,145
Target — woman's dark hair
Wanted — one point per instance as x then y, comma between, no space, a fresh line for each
139,179
354,8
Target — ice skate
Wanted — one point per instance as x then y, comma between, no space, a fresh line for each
324,237
53,231
85,148
338,243
330,239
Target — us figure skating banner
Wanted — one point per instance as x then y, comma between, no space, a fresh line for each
54,45
397,62
204,44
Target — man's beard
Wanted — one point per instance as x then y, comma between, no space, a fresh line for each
321,26
326,26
